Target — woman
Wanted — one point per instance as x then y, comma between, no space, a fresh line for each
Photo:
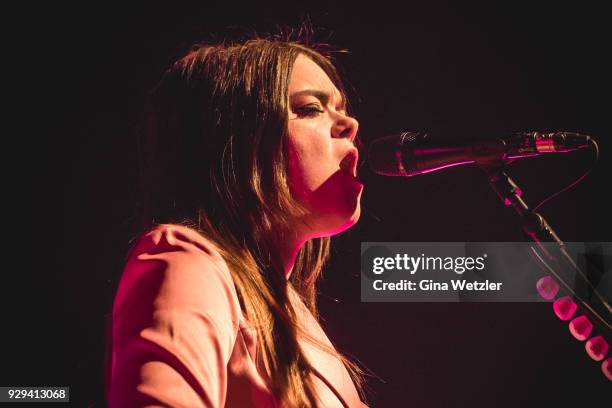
249,167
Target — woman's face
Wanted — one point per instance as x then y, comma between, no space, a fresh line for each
322,160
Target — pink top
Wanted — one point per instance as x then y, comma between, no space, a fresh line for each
180,339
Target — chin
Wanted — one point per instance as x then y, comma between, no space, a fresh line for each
333,213
340,222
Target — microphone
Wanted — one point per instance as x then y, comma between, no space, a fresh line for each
410,154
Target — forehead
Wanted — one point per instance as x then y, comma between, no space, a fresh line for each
306,74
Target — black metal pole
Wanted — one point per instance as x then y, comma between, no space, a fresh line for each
539,231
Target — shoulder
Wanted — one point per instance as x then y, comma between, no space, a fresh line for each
175,321
172,238
173,267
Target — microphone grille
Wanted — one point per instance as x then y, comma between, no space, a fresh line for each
409,137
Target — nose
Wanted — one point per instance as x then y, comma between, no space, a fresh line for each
345,127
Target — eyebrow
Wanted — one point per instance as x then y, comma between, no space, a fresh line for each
322,96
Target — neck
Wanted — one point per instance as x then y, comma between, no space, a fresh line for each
290,244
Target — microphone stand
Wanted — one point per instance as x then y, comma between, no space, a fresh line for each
539,231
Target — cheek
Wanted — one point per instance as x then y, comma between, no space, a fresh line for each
310,161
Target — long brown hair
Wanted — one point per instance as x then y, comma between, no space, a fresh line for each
213,158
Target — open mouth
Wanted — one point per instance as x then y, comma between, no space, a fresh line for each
348,164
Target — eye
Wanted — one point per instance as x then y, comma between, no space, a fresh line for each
309,110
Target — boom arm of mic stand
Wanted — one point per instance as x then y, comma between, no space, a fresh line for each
539,231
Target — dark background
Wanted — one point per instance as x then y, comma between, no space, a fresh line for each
450,69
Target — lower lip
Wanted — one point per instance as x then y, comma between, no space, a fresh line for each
355,180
